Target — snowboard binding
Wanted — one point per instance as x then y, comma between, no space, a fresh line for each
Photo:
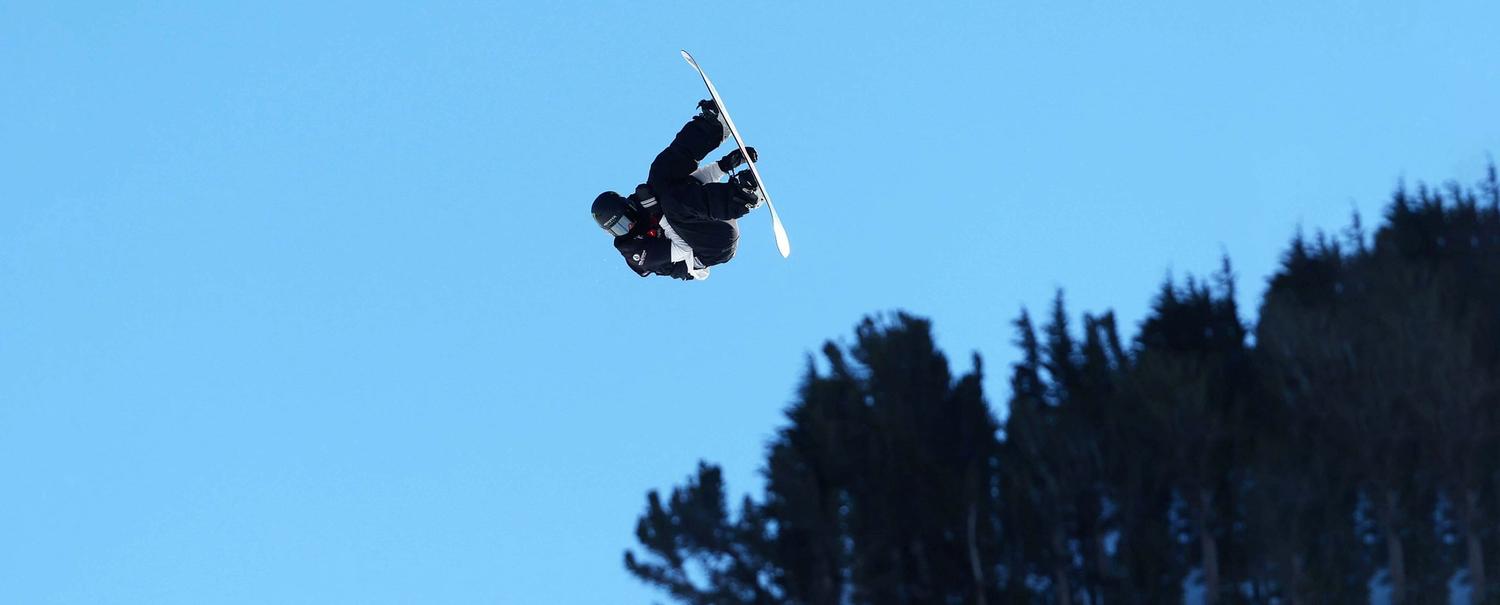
744,180
709,109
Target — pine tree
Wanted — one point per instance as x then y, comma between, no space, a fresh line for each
692,534
1306,494
925,454
1193,374
1036,469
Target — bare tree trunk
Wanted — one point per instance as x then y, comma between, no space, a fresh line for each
1476,549
974,566
1060,568
1210,548
1395,556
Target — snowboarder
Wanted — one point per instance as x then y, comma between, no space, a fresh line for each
683,219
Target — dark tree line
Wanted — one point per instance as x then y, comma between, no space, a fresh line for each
1347,443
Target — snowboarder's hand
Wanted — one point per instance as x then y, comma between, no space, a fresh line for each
734,159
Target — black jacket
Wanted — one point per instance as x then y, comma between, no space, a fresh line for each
650,255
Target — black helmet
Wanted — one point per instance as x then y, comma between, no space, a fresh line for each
614,213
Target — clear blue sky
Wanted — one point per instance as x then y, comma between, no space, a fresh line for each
303,305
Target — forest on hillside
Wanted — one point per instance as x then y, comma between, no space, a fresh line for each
1344,442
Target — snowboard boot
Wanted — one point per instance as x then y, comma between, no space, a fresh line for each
749,189
707,107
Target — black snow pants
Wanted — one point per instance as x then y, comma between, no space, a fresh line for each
703,214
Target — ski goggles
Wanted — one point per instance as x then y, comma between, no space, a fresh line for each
620,225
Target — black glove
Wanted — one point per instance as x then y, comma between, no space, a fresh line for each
734,158
680,271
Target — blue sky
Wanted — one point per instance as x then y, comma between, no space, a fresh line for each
303,305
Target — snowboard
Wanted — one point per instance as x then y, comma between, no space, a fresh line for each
782,243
